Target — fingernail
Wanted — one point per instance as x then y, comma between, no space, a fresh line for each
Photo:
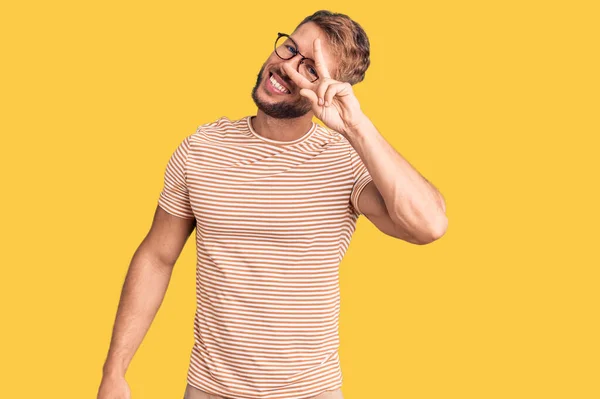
327,103
320,101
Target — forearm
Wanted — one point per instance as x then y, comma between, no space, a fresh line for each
142,294
412,202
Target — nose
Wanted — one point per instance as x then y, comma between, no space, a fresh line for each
287,81
294,62
284,75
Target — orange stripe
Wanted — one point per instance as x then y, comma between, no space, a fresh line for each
273,221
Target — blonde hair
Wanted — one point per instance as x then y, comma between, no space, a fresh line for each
349,42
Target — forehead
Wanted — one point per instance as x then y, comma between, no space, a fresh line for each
305,36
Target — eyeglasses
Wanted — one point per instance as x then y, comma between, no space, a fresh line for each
286,49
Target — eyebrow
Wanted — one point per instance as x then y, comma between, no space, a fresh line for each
312,55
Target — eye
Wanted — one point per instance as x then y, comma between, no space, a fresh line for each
291,49
312,71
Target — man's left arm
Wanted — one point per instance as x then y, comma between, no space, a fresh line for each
399,201
404,203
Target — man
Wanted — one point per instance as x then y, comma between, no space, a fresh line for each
275,198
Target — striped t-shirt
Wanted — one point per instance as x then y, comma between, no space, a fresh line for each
273,221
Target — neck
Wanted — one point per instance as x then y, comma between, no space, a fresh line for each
281,129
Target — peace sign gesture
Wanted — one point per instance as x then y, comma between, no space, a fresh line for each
333,102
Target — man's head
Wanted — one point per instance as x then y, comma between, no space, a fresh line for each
345,48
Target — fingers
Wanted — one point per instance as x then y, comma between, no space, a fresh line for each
323,88
319,60
311,95
337,89
297,78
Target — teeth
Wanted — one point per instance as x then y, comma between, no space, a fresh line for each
277,85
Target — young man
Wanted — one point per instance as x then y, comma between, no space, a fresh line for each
275,198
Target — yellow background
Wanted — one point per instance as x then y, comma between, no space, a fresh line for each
496,103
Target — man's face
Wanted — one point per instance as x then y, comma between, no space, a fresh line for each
288,105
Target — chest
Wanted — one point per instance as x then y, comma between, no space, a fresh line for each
270,192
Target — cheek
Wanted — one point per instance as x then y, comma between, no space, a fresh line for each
273,60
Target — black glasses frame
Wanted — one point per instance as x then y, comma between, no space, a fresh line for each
296,51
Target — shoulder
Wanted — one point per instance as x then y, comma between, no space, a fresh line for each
331,137
216,130
219,129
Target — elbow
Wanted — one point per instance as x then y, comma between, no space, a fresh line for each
441,228
436,232
423,228
427,236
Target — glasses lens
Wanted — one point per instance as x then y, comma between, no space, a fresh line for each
308,69
285,48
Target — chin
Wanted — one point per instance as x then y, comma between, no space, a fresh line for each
278,108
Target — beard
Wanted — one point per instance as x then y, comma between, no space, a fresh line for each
282,109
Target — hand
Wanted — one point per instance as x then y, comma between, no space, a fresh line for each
114,387
333,102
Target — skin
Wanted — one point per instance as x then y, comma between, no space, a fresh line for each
399,201
287,117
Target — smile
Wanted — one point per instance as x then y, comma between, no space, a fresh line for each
276,86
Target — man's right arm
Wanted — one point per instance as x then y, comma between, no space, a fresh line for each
142,294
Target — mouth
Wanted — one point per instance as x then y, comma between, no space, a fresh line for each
277,85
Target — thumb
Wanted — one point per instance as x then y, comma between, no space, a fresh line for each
311,95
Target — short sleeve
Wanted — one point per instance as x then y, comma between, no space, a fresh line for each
361,178
174,197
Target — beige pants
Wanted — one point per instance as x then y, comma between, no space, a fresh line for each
194,393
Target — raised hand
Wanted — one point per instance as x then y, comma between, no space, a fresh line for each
333,102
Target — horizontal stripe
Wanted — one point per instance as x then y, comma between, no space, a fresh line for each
273,221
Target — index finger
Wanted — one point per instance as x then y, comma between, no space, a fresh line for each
320,60
297,78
